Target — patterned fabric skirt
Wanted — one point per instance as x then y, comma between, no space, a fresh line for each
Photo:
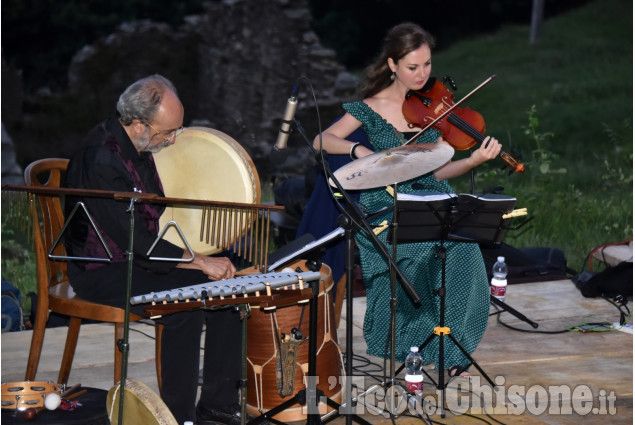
466,302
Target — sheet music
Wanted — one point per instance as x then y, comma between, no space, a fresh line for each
440,196
425,196
337,233
490,197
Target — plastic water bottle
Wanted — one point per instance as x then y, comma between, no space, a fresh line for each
498,288
414,371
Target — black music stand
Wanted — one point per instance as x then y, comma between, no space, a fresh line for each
448,217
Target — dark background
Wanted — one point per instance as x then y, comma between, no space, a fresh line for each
39,37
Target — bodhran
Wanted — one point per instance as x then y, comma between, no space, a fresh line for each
206,164
262,351
141,405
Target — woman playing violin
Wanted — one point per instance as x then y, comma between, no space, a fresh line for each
405,63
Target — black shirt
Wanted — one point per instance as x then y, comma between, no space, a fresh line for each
108,160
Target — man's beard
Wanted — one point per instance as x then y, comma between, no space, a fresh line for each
143,145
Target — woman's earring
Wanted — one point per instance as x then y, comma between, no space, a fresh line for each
392,77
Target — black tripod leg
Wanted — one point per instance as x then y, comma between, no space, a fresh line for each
512,311
441,383
472,361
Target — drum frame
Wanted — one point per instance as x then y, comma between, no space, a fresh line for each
310,396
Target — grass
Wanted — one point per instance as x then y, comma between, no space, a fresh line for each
564,103
18,256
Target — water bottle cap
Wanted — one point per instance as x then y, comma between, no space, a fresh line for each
501,259
414,349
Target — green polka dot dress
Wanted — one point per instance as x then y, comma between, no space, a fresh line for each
467,288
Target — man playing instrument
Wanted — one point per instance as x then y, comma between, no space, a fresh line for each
117,156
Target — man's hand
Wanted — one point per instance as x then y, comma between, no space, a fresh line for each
216,268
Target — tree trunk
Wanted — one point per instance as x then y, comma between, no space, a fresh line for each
538,7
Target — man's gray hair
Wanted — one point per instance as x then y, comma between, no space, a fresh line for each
142,98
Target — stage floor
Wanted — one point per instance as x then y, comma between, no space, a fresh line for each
590,373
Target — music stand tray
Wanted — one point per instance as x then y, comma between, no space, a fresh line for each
432,216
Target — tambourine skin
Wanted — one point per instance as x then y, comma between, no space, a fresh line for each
205,164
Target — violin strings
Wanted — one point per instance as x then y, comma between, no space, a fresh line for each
465,127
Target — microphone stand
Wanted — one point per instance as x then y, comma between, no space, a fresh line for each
358,217
354,217
123,343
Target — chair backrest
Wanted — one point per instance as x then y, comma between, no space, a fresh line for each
47,172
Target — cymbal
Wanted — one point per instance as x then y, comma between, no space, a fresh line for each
393,165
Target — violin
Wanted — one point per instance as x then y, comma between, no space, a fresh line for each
434,106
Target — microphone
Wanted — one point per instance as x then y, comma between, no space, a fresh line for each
285,128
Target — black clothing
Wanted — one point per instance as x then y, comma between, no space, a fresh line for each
109,161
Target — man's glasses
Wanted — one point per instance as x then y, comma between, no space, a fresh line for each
167,135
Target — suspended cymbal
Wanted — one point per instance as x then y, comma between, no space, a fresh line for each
393,165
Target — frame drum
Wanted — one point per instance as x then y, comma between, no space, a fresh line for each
141,405
205,164
262,349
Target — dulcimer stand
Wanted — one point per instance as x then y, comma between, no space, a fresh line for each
457,220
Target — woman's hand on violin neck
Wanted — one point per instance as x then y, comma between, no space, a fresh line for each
489,149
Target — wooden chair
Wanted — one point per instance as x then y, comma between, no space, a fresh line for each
54,291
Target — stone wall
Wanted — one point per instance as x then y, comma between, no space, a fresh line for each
234,66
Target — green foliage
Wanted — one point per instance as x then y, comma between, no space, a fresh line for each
565,104
18,258
540,155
